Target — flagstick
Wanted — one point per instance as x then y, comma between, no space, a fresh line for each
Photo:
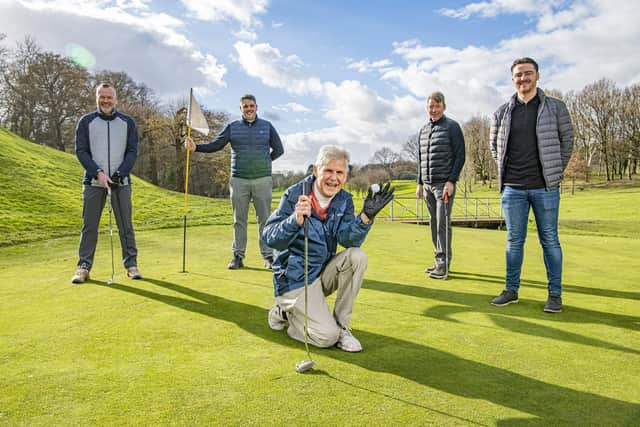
186,204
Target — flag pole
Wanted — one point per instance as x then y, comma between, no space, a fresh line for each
186,189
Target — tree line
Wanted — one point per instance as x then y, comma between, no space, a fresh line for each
43,94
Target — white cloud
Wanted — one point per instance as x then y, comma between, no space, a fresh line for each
242,11
365,65
574,47
246,35
292,107
268,65
156,49
488,9
275,24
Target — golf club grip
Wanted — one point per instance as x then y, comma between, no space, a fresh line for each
306,190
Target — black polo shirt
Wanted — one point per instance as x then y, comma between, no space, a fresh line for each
523,168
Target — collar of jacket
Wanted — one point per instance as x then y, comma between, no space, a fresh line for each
248,123
437,122
514,98
109,117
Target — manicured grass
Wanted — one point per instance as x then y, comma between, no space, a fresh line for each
195,348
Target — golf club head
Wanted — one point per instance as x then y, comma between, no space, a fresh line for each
305,366
110,282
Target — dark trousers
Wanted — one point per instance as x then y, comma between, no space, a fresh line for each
93,201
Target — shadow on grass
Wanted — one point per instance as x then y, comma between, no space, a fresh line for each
508,317
487,278
434,368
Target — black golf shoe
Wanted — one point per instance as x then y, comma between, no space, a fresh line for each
553,305
505,298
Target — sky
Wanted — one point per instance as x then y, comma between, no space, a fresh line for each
351,73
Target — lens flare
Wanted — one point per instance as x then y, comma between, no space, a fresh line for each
80,55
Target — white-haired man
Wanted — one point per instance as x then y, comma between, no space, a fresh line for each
329,212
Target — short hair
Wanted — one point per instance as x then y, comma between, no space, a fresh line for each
248,96
105,85
524,60
437,97
331,152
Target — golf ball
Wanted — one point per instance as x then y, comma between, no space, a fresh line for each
375,188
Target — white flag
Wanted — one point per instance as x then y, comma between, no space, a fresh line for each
195,118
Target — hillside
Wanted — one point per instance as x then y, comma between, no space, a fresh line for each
41,196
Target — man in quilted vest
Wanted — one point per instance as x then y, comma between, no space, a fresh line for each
531,140
440,159
255,144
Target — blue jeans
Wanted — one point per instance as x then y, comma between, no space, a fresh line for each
516,204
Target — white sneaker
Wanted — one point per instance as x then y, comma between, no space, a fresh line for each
81,275
277,318
348,342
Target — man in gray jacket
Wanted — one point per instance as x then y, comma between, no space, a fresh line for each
440,159
107,148
531,140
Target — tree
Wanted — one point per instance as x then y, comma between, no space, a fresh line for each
601,101
410,148
385,157
477,151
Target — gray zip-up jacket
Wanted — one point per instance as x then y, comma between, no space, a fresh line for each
107,143
554,133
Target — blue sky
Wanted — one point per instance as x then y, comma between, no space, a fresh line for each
353,73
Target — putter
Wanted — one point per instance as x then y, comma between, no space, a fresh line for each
306,365
110,235
446,235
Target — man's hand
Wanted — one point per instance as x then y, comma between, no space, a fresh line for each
449,188
374,203
419,191
103,179
303,208
189,145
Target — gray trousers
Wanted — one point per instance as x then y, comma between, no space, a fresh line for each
242,192
93,201
344,273
433,194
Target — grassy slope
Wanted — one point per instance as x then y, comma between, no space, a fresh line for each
41,196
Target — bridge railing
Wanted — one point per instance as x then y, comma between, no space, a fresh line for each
406,208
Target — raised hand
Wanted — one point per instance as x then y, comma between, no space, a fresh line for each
375,202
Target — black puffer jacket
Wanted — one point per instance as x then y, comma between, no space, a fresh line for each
440,151
553,130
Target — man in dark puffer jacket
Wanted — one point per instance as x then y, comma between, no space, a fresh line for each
440,159
531,140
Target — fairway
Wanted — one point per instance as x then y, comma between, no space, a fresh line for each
195,349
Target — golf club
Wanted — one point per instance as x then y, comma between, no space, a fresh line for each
446,235
306,365
110,234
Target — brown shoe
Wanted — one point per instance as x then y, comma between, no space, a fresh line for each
81,275
134,273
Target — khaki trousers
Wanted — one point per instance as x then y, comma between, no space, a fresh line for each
344,274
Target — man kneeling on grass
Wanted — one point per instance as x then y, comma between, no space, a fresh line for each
329,213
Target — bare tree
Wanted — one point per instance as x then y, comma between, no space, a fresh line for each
478,153
601,101
385,157
410,148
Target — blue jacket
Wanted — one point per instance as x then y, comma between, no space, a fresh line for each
108,143
253,147
286,236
